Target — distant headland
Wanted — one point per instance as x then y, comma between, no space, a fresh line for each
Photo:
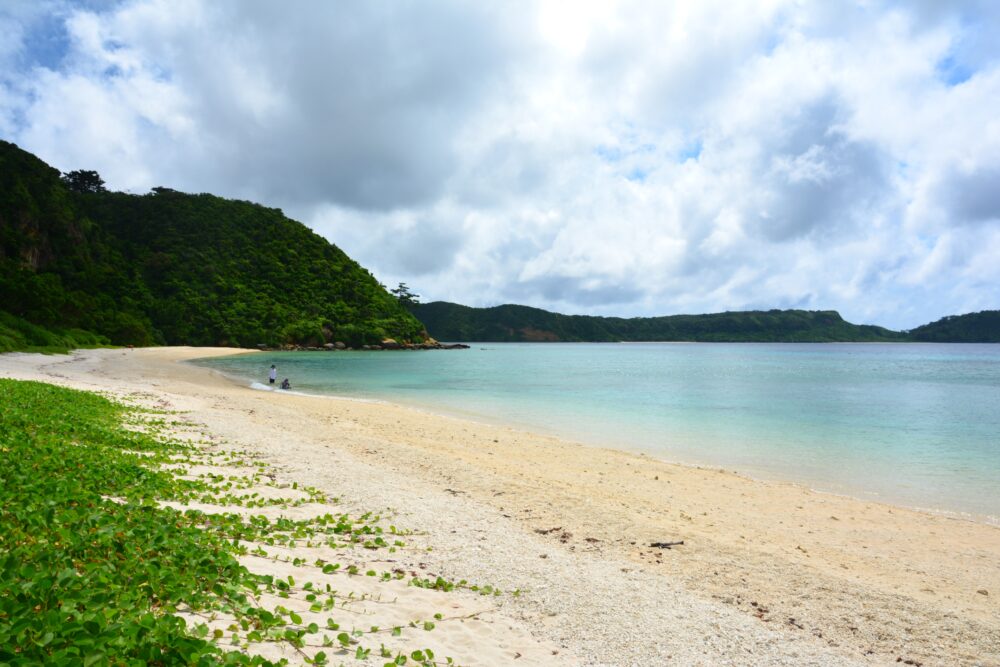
512,323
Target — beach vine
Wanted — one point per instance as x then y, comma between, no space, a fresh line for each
102,563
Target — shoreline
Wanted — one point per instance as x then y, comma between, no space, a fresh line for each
761,475
770,572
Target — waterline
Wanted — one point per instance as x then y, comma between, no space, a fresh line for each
915,425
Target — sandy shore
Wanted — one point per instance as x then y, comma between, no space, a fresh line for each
769,573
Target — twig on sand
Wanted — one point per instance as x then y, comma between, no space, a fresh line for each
667,545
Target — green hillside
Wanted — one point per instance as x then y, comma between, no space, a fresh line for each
80,266
79,263
449,321
981,327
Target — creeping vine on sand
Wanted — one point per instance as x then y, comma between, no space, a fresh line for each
98,570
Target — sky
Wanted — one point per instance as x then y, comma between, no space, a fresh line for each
610,158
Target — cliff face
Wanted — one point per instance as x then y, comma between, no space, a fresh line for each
37,219
174,268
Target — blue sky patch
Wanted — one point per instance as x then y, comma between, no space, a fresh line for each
609,153
637,175
46,43
953,72
692,151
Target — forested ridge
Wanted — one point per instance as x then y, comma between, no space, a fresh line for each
80,266
981,327
512,323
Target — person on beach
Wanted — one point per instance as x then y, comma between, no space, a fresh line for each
272,375
285,384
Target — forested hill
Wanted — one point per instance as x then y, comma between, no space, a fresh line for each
982,327
173,268
449,321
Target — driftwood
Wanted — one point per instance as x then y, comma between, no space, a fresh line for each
666,545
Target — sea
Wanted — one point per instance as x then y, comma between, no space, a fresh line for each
916,425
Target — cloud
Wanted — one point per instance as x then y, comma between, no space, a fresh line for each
625,158
972,196
819,181
356,105
593,291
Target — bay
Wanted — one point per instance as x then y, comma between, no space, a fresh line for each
910,424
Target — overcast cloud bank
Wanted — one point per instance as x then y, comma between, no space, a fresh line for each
621,158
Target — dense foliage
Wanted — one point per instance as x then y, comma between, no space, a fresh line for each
20,335
97,570
981,327
87,579
174,268
448,321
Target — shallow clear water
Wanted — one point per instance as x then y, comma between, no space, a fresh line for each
912,424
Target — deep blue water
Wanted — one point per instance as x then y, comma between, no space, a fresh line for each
911,424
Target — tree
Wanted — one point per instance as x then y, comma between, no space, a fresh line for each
84,181
404,295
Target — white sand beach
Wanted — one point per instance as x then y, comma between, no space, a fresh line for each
768,573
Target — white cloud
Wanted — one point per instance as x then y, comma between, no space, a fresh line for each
627,158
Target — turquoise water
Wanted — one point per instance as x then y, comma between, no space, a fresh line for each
912,424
